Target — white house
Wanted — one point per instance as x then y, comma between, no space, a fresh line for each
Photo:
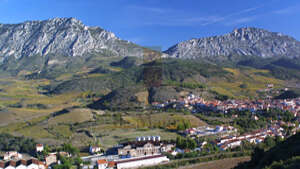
94,149
39,147
22,164
12,165
33,164
12,155
51,159
21,167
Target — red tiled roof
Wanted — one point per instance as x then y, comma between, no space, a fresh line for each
111,164
35,161
13,163
2,164
24,162
102,161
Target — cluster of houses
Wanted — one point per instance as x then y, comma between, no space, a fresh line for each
15,160
228,137
144,151
22,164
149,150
206,131
199,104
254,137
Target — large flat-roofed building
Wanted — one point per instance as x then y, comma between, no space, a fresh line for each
144,148
141,162
138,149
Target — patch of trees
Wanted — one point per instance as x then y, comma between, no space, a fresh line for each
185,143
288,95
185,85
70,149
20,144
16,105
245,121
37,106
209,120
292,163
69,162
243,86
219,96
246,124
183,125
277,114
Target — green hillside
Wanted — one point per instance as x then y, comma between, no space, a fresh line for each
123,87
172,78
281,68
285,155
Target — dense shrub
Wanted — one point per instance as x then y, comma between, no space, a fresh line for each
20,144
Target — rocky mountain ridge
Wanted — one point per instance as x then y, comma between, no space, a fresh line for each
242,42
59,36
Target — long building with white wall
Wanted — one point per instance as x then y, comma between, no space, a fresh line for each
141,162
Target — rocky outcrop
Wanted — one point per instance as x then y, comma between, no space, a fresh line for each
60,36
241,42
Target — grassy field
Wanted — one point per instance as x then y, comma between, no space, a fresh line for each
82,126
111,137
26,111
243,83
73,116
219,164
168,120
19,98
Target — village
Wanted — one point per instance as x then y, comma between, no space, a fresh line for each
154,150
198,104
144,150
229,137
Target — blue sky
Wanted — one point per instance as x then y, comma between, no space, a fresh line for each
162,22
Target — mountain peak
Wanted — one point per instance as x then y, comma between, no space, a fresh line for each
69,20
248,41
57,20
249,29
59,36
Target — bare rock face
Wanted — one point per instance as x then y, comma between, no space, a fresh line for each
60,36
242,42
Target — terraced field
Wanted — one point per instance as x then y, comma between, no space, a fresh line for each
244,83
54,119
29,108
21,100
